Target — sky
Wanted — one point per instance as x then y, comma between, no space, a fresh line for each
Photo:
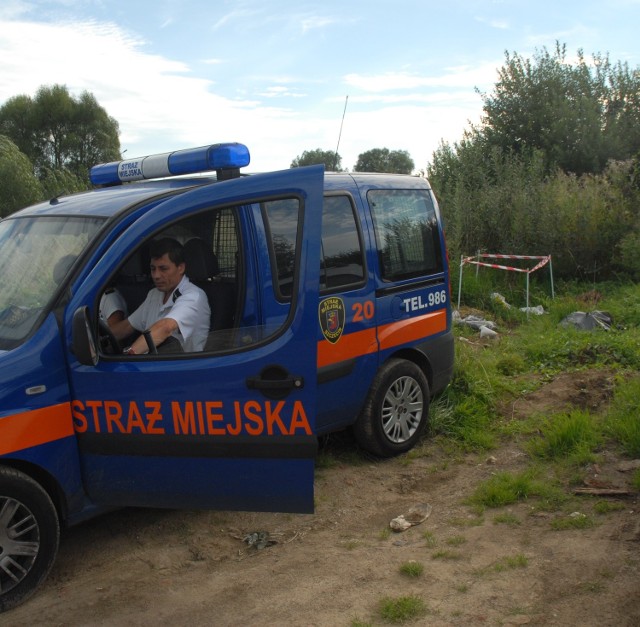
284,76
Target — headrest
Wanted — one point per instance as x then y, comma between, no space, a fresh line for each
201,262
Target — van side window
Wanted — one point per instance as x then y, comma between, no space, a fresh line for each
342,262
406,230
282,225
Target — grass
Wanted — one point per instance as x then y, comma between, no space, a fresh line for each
412,569
573,437
402,609
576,520
490,375
506,488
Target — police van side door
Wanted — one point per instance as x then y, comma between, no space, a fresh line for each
232,430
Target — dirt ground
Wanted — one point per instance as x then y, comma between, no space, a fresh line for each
153,567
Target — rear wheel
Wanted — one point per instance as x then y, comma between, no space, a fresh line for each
29,537
396,411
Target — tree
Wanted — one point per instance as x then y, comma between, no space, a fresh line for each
385,160
57,131
329,158
18,185
579,115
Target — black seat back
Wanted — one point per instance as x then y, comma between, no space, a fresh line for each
203,271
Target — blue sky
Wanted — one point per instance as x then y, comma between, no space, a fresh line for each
276,75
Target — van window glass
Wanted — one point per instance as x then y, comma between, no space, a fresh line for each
406,230
342,262
219,263
36,255
282,224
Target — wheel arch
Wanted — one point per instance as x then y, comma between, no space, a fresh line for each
45,479
418,358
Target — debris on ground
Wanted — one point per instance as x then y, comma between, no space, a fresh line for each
416,515
588,321
500,299
487,328
259,540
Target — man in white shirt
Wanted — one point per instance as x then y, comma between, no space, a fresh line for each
175,307
112,307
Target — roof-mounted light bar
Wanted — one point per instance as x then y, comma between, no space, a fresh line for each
224,158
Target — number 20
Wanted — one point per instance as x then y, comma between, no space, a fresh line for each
363,311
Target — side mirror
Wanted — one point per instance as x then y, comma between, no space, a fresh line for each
83,342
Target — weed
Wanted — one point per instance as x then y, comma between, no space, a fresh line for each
385,533
504,489
430,539
622,418
604,507
456,540
402,609
635,481
576,520
412,569
507,519
573,436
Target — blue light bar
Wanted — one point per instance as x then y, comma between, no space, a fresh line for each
219,157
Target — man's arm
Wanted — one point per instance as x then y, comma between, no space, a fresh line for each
160,331
122,329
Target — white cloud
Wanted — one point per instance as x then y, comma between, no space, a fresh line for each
466,77
494,23
162,106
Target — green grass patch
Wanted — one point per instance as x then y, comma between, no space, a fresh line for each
573,437
402,609
429,539
622,422
635,481
412,569
606,507
576,520
456,540
505,488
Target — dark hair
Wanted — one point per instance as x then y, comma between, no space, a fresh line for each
167,246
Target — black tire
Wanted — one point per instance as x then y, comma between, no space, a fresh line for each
29,537
396,411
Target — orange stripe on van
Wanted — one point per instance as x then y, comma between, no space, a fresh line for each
32,428
412,329
347,347
389,335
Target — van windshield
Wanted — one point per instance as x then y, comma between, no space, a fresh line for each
36,254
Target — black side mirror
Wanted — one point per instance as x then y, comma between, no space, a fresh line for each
83,342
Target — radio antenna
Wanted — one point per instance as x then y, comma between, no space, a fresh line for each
335,157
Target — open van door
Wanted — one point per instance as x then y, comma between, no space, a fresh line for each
228,430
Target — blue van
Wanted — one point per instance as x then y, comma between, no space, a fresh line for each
329,308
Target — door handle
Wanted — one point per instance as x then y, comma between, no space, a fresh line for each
275,382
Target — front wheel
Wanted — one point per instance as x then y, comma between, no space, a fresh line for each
29,537
396,411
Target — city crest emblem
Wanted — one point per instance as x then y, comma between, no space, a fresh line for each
331,314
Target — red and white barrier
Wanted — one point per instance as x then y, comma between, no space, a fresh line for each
542,261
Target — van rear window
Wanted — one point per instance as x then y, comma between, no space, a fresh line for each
406,230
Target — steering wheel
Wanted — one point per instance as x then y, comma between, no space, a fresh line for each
108,339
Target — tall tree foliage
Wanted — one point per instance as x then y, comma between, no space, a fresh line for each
18,185
579,114
59,132
329,158
385,160
552,168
